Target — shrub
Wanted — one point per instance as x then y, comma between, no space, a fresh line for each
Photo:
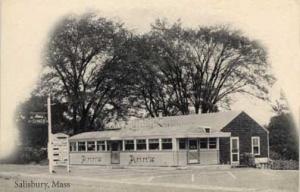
247,159
283,137
284,165
30,155
275,156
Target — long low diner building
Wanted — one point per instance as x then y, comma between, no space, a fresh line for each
198,139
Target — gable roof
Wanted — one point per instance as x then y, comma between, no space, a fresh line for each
184,125
214,121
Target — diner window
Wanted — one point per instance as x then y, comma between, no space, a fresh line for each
212,143
73,146
182,143
193,144
166,143
100,145
91,146
255,145
141,144
153,144
121,145
129,145
203,143
81,146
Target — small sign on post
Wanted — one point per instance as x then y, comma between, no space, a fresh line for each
60,150
58,145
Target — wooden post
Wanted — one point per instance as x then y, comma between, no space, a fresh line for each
174,144
68,147
160,144
134,142
49,135
123,145
147,144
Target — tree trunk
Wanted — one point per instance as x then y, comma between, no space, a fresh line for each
83,122
74,119
204,108
197,107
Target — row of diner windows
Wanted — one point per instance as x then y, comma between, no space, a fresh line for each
141,144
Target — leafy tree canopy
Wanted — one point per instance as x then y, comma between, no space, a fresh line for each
284,139
184,70
103,72
81,69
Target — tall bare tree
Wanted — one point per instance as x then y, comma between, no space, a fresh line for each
105,72
149,90
205,66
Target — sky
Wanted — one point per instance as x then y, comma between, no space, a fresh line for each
26,24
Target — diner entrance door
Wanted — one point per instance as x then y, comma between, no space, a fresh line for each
193,151
115,152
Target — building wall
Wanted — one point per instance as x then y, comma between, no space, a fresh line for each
174,157
244,127
149,158
90,158
209,157
182,158
206,157
143,158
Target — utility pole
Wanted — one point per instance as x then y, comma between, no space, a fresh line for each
49,134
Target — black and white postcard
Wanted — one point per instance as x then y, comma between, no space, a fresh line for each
161,95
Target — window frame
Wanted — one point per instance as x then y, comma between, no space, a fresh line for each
90,143
164,142
138,144
196,146
201,142
100,144
71,146
107,144
207,129
133,144
150,141
182,140
237,152
258,145
78,146
209,143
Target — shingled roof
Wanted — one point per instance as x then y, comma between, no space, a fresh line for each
183,126
215,121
